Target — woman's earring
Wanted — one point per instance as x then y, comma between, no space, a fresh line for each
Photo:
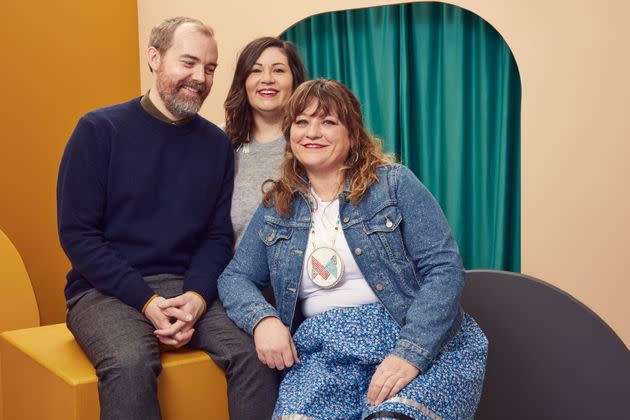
355,158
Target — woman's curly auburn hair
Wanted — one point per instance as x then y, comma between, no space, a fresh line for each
365,155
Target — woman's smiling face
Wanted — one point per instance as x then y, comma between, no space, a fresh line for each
270,82
321,143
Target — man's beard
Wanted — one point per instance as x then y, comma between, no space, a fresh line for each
180,104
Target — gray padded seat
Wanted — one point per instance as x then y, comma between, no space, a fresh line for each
550,357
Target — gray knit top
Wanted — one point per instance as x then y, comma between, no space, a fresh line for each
254,163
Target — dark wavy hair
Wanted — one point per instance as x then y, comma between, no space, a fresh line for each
238,112
364,157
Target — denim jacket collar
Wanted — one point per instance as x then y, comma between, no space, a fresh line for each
347,183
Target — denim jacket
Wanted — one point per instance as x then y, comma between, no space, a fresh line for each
401,242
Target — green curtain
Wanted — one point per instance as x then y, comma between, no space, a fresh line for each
439,85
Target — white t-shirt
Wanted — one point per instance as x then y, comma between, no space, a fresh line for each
352,289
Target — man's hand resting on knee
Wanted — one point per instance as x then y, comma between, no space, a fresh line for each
185,309
161,319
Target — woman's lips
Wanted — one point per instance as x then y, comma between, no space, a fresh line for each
267,93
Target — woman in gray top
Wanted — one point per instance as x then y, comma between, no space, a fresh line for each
267,72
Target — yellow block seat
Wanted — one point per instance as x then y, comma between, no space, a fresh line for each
46,375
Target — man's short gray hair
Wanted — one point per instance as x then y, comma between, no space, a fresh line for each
162,34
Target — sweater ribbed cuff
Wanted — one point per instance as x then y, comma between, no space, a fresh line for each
205,304
144,308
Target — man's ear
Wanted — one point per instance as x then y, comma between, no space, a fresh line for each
153,58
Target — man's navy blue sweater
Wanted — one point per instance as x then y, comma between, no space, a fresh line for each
137,196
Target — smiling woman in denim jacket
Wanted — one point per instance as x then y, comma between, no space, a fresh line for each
365,249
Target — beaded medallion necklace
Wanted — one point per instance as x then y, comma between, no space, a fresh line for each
324,265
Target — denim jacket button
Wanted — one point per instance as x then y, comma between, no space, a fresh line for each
358,251
388,223
379,287
271,236
346,219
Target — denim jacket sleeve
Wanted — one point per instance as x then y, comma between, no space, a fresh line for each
435,257
241,282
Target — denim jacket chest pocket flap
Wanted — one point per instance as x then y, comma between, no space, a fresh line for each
274,237
271,233
383,228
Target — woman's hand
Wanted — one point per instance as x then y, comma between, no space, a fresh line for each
274,344
392,375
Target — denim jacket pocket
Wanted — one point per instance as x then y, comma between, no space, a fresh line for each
275,237
270,234
383,227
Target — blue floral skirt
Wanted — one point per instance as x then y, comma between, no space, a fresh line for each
340,350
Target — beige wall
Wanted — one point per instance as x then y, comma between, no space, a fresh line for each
572,56
60,59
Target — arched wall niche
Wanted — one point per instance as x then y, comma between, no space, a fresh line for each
574,127
394,3
439,85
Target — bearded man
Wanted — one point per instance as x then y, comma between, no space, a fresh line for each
143,200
